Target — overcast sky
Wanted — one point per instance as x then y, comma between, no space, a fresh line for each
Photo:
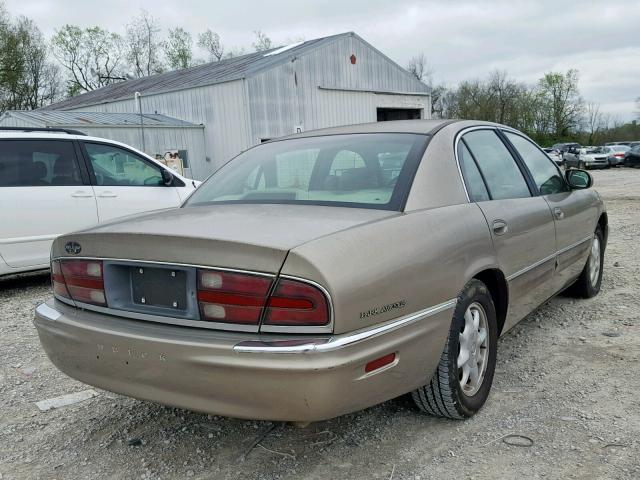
461,39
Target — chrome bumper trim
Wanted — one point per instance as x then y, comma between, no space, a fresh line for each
338,341
45,311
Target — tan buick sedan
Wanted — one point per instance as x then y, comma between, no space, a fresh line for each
327,272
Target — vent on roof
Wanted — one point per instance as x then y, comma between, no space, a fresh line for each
283,49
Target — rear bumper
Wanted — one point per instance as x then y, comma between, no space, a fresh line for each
243,375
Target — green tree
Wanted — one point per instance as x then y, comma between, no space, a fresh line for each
262,42
178,48
210,42
563,101
93,57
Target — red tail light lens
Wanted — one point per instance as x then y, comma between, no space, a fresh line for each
79,280
229,297
295,303
619,155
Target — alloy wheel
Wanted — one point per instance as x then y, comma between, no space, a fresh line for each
473,352
594,261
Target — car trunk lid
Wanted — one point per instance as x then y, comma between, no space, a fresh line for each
240,236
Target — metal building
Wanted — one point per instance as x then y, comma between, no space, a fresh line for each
242,101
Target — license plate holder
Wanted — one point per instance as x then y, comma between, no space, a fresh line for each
159,287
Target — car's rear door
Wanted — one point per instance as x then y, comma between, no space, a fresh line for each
521,223
575,211
44,192
126,183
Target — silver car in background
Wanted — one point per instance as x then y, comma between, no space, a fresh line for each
615,154
586,157
555,155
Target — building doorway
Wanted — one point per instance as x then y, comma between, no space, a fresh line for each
388,114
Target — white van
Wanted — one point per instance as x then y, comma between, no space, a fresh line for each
57,181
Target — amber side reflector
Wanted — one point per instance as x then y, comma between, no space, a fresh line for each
380,362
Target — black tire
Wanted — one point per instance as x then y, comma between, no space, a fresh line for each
443,396
582,166
585,287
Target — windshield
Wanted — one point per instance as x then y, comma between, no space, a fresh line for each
364,170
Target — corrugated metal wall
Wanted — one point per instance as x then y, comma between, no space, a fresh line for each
315,90
219,107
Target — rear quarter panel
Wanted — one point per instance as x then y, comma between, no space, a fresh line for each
415,260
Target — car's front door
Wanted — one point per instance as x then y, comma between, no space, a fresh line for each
521,223
575,211
44,192
125,183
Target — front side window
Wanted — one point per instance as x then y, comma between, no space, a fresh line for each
545,173
38,163
363,170
499,169
115,166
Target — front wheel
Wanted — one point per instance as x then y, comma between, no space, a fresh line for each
462,381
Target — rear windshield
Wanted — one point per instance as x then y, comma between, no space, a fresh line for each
364,170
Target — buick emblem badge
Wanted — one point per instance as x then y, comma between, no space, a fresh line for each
73,248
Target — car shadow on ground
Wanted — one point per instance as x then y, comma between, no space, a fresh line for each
41,278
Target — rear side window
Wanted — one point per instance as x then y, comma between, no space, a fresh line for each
545,173
38,163
476,188
499,169
114,166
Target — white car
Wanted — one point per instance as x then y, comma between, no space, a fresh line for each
55,182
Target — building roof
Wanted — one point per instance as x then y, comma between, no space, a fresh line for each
59,118
199,76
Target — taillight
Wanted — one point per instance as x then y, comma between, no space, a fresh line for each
295,303
229,297
79,280
239,298
619,155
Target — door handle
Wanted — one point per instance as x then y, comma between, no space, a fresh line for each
107,195
81,194
558,213
500,227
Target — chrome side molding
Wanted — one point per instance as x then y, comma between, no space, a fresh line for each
339,341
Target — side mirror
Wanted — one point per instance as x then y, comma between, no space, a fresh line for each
167,177
578,179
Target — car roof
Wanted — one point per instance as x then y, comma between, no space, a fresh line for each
424,127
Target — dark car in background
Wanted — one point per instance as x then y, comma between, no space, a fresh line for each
632,156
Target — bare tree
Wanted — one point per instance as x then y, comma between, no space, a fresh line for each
420,68
210,41
92,57
594,121
178,48
144,46
262,42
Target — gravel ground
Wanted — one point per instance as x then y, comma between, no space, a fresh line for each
561,383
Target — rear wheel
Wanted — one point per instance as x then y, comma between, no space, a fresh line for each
461,383
582,166
590,280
